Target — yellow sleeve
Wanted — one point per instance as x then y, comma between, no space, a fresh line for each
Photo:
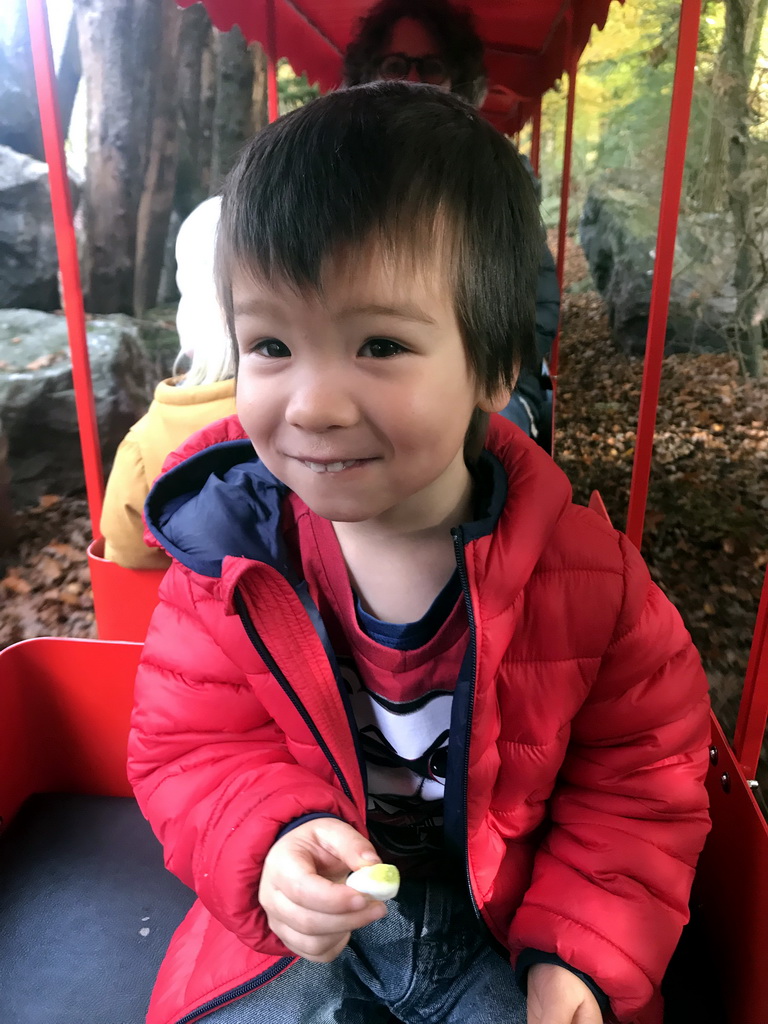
122,525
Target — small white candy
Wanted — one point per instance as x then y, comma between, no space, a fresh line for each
381,881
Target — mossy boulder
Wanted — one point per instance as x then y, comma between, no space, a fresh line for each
37,400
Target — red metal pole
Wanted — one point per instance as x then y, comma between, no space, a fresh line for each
753,709
565,189
66,245
536,138
272,104
671,189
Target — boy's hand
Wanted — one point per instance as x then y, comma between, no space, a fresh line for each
557,996
305,905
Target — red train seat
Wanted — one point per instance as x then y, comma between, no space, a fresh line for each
123,599
87,907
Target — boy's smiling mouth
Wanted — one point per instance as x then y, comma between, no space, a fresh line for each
335,466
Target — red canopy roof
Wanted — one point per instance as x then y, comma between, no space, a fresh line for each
529,43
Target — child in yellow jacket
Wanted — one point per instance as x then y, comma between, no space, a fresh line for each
182,404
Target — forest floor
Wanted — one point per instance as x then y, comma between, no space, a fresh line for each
706,531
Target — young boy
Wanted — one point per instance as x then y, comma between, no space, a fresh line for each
389,634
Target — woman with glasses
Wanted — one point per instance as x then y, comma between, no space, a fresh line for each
431,41
420,41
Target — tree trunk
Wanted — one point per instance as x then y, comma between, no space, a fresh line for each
232,119
119,42
157,197
754,35
193,176
68,77
207,108
259,98
710,189
147,69
710,185
737,115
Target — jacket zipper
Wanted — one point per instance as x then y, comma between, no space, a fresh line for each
241,990
273,667
276,671
461,562
269,661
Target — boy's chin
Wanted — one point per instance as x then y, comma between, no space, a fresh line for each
337,513
342,511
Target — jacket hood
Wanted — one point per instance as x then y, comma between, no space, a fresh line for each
221,501
217,499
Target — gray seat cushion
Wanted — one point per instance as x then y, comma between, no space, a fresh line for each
86,910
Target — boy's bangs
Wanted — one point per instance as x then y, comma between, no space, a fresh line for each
409,235
423,247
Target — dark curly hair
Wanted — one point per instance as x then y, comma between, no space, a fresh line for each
452,29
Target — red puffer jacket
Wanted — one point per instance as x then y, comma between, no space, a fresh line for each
578,746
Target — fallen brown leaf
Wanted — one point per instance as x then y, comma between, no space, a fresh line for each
65,551
49,568
15,584
41,362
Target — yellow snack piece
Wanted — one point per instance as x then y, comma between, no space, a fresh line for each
383,873
381,881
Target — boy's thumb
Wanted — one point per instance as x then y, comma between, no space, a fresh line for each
360,853
368,856
350,847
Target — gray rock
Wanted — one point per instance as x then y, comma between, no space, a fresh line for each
19,116
618,234
28,262
37,401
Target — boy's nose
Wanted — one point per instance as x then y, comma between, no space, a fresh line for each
413,74
319,405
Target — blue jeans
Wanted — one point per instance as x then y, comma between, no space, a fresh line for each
427,962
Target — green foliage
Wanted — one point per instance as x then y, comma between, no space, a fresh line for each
623,95
293,90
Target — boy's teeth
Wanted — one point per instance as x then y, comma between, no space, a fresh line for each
327,467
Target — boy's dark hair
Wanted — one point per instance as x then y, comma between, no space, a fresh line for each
409,168
452,29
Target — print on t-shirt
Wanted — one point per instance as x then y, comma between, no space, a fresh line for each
405,745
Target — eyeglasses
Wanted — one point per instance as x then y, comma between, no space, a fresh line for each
430,69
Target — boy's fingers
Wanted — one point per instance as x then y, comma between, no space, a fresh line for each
556,1016
344,842
302,886
318,949
312,922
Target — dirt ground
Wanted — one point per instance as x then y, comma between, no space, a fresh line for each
706,536
706,533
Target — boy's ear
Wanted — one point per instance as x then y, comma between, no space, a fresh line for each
496,399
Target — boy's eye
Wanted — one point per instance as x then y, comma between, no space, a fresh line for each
272,348
381,348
